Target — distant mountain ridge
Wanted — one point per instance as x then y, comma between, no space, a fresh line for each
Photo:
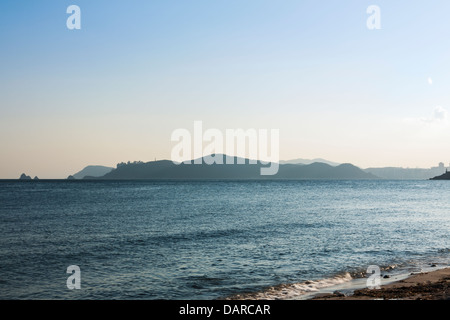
309,161
92,171
166,169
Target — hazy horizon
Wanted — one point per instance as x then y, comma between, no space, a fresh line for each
116,89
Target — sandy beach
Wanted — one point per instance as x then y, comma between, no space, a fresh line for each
433,285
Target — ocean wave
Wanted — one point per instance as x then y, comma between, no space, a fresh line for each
294,290
362,272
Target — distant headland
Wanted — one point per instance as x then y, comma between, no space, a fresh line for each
445,176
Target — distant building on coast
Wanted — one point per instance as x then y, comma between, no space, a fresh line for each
441,167
445,173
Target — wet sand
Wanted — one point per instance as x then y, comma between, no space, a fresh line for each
433,285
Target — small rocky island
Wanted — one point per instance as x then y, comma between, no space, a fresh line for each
23,176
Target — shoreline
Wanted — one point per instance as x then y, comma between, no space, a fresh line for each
432,285
397,284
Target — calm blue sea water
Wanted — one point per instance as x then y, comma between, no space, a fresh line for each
206,240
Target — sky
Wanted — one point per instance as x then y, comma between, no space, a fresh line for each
117,88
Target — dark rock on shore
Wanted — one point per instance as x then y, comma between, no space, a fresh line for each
338,294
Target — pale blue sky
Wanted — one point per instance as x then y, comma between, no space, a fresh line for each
137,70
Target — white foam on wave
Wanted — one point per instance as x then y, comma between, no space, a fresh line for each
295,290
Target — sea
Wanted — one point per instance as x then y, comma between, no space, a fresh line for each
206,240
